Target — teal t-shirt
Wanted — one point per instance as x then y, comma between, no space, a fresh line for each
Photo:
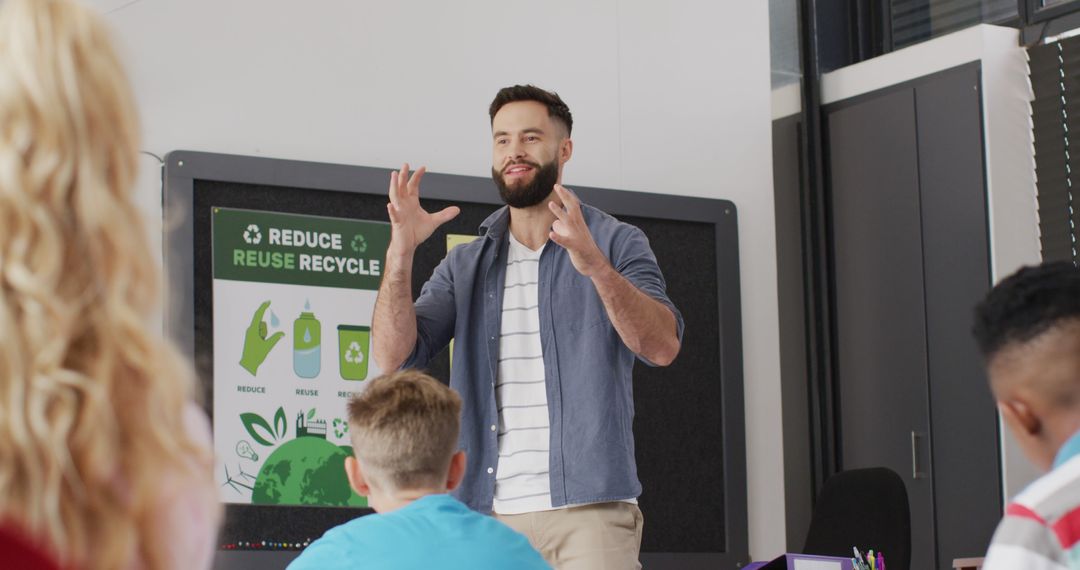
436,531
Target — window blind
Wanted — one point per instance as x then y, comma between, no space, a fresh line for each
1055,116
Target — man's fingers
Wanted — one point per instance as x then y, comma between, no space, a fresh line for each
403,179
557,210
564,194
562,228
556,238
446,214
568,198
393,211
414,180
393,192
561,192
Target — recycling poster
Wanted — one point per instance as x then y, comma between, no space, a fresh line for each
293,299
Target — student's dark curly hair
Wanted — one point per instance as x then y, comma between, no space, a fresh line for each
1027,304
557,109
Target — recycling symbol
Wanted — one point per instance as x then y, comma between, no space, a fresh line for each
252,234
341,427
354,355
359,244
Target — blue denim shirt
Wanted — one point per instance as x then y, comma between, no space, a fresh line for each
587,366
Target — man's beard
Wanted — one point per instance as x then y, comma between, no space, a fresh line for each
532,193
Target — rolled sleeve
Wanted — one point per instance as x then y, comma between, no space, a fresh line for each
435,315
635,261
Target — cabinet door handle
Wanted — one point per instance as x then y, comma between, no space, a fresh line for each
916,473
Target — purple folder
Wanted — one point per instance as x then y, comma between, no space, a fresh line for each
795,561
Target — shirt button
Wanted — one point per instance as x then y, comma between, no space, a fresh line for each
493,428
490,470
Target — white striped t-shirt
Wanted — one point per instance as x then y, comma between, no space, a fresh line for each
522,483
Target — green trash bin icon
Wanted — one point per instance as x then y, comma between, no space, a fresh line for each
353,351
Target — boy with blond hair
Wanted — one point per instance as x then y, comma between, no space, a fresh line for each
404,431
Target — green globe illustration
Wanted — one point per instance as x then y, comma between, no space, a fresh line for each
306,471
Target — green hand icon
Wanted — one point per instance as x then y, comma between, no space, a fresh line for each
256,345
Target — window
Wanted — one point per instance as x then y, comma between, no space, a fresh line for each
913,21
1043,10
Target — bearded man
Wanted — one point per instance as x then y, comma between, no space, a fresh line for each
549,309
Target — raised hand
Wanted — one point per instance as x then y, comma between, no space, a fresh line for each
571,232
410,224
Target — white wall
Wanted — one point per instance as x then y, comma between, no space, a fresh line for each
669,97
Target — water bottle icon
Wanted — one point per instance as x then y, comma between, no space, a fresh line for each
307,345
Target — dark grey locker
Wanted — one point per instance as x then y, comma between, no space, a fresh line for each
794,380
880,320
963,417
908,219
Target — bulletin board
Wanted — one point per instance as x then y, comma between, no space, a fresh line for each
321,232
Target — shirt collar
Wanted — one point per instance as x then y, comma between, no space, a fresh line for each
1070,449
496,224
436,500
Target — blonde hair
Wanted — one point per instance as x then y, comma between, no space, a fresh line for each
404,430
91,396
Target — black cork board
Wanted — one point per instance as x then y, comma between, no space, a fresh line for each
689,434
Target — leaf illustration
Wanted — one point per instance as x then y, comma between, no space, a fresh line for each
279,423
311,413
253,421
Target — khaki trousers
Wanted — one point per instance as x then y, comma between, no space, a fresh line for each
601,536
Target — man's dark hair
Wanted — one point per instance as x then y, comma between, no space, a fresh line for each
555,106
1027,304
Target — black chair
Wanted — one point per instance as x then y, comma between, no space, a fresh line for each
867,508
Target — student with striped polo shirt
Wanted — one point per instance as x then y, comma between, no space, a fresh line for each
1028,328
548,309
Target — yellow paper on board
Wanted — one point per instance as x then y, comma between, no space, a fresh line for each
454,240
